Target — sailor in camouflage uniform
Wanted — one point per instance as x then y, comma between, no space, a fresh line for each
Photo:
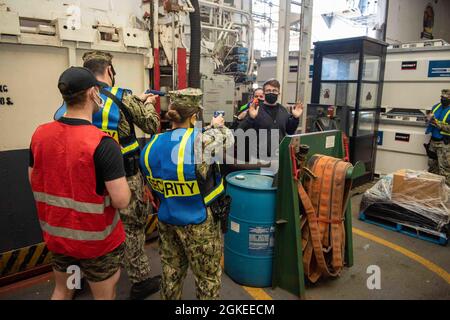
189,234
122,110
439,127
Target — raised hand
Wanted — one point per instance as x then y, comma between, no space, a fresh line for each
148,98
297,110
253,109
151,99
217,122
435,123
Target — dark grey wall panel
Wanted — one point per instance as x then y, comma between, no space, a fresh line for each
19,226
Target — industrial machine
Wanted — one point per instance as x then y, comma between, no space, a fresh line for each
401,136
158,45
415,75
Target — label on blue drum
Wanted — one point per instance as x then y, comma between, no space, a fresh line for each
235,226
261,240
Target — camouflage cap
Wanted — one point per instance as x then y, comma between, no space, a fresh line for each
446,92
98,55
189,97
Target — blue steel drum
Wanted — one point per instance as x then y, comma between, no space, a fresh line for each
249,241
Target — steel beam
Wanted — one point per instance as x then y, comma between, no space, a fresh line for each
306,17
282,72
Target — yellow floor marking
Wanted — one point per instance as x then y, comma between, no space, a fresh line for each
255,293
426,263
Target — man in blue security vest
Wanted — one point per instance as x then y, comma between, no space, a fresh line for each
439,128
186,180
121,111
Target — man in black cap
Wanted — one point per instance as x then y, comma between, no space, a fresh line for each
78,180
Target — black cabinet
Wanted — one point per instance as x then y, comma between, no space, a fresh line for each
349,75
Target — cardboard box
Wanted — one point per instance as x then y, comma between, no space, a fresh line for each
409,185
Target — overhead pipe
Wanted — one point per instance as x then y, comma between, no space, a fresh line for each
223,7
40,29
219,29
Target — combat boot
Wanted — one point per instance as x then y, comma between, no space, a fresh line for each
143,289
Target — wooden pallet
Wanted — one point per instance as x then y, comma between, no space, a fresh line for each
412,231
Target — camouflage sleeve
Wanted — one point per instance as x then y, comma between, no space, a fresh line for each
144,116
213,141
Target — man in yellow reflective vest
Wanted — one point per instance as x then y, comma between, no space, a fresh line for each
439,128
122,110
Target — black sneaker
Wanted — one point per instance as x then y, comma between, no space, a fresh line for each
143,289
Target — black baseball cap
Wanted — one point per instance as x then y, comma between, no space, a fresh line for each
76,79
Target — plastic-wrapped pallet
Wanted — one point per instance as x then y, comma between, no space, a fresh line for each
417,198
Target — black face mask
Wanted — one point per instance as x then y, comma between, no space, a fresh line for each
445,102
271,98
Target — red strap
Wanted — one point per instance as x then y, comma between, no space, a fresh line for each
324,202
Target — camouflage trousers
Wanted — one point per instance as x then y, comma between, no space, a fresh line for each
134,219
197,246
441,166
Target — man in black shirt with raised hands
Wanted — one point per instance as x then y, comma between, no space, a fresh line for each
270,115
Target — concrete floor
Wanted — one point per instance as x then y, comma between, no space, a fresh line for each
401,276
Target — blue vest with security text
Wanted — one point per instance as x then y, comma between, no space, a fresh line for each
168,162
107,119
442,116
